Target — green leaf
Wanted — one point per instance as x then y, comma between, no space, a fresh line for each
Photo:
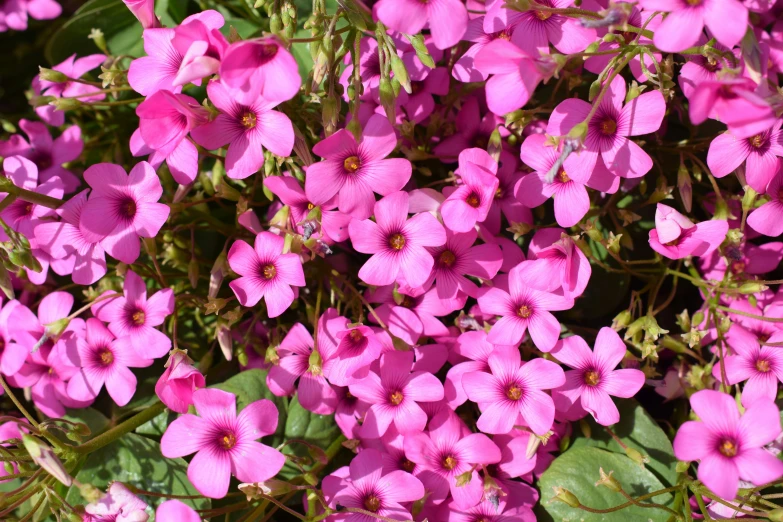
318,430
95,420
639,431
577,471
157,426
137,460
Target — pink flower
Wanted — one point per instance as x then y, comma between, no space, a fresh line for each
165,119
562,257
354,171
133,317
609,129
760,154
594,378
72,68
247,130
726,20
748,259
415,314
760,366
260,67
446,453
676,237
448,19
47,154
12,354
224,444
156,71
731,101
397,243
117,505
729,446
472,130
364,485
513,389
266,272
768,218
514,75
521,308
464,69
122,207
201,45
357,349
23,216
14,13
102,360
474,347
470,202
181,379
65,239
144,11
395,394
176,511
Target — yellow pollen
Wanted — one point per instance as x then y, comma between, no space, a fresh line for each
351,164
447,258
728,448
608,126
513,392
228,441
310,206
524,311
269,271
138,317
591,378
563,177
249,120
756,141
762,365
543,15
372,503
396,398
106,356
396,241
449,463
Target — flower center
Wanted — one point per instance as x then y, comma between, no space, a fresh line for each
693,2
249,120
138,317
738,267
499,193
514,392
592,378
372,503
106,356
504,35
447,258
267,52
396,398
608,126
128,208
356,335
762,365
563,177
310,206
269,271
728,448
352,164
227,441
543,15
473,200
397,241
757,141
407,302
408,466
449,462
524,311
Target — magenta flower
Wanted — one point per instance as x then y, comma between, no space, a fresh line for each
181,379
103,361
260,67
726,20
395,394
768,218
176,511
298,360
397,243
72,68
364,485
459,258
265,272
201,45
447,453
562,257
144,11
122,207
12,354
65,239
594,377
156,71
14,13
474,351
448,19
521,308
133,317
731,101
224,444
357,349
760,366
354,171
117,505
514,75
676,237
609,129
729,446
416,313
464,69
470,202
23,216
760,153
512,389
47,154
247,130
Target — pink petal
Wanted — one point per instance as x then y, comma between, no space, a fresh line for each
210,472
693,441
255,462
186,435
726,153
642,115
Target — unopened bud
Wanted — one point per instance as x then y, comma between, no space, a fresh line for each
388,98
225,191
752,287
193,269
50,75
223,335
776,515
622,320
495,144
66,104
636,456
401,73
685,187
43,455
748,199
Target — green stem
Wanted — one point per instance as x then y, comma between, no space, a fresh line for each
752,316
118,431
7,186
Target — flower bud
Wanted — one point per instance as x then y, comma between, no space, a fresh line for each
66,104
565,496
271,487
401,73
636,456
622,320
43,455
748,199
685,187
98,38
50,75
776,515
388,98
223,336
225,191
752,287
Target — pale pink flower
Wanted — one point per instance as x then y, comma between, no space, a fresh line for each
395,395
396,242
247,130
117,505
474,351
121,208
260,67
354,171
181,379
224,443
729,446
266,272
727,21
514,389
465,69
594,377
14,13
133,317
448,19
514,75
677,237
